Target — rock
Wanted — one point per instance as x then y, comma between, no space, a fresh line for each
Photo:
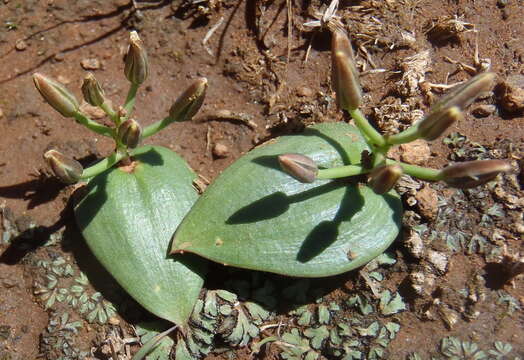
90,64
427,202
416,152
483,110
59,57
92,112
512,99
63,80
304,91
20,45
414,244
220,150
438,260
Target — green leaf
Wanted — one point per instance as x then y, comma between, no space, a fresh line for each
128,218
156,347
389,305
257,217
317,336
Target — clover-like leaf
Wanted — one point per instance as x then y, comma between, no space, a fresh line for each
391,305
256,216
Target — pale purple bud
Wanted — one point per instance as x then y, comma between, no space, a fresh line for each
383,178
67,169
56,95
301,167
344,74
129,133
187,104
136,64
473,173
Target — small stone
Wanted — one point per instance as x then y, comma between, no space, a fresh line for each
438,260
90,64
59,57
414,244
92,112
416,152
512,99
20,45
220,150
113,321
63,80
304,91
483,110
427,202
1,113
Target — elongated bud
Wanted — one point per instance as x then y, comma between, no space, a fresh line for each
56,95
136,65
301,167
437,122
129,133
67,169
92,91
465,94
383,178
344,74
473,173
187,104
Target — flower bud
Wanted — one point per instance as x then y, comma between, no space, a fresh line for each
344,74
466,93
473,173
189,102
67,169
437,122
129,132
301,167
383,178
93,92
136,64
56,95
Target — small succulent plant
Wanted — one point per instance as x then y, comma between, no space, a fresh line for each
134,199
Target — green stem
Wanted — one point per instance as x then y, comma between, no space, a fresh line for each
341,171
156,127
110,112
365,127
152,344
130,100
93,125
418,171
405,136
103,165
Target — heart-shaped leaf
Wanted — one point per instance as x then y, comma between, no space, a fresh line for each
257,217
128,218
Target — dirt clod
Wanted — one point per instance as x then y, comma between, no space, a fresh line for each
220,150
512,98
416,152
21,45
484,110
90,64
427,202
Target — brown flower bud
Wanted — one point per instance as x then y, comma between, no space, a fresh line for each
56,95
464,94
301,167
473,173
190,101
383,178
92,91
437,122
129,132
344,74
67,169
136,66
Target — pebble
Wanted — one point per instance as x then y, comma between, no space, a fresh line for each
90,64
220,150
438,260
59,57
20,45
304,91
512,99
63,80
1,113
92,112
427,202
416,152
483,110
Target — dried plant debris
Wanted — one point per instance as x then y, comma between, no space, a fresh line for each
448,28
